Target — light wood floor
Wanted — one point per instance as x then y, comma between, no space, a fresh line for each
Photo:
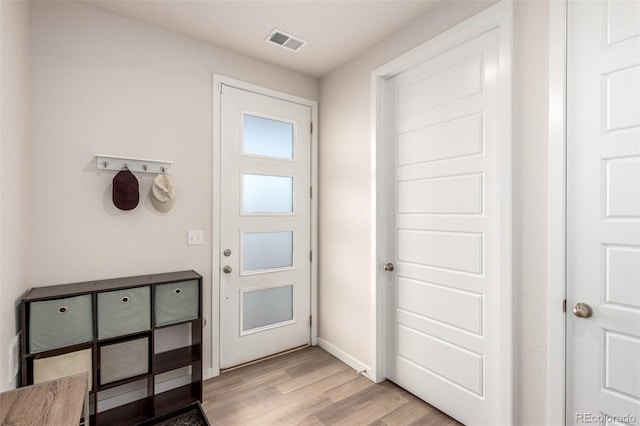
311,387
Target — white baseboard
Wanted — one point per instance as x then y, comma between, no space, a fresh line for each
345,357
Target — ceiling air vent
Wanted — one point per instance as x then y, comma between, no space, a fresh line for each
288,41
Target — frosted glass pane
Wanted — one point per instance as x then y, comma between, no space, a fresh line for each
266,250
269,306
267,194
267,137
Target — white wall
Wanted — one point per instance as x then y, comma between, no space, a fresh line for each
345,183
107,85
14,170
531,75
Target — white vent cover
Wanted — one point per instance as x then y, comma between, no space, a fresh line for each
283,39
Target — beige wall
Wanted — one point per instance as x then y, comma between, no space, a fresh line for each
345,185
107,85
14,170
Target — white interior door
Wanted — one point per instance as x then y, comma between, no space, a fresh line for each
444,304
603,212
265,230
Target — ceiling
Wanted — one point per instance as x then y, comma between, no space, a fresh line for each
337,31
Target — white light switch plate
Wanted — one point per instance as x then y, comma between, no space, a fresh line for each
195,237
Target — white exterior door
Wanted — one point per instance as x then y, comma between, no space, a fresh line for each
446,324
603,212
265,230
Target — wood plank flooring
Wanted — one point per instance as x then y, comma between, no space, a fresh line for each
311,387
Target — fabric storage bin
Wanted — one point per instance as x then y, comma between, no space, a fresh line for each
124,311
176,302
124,360
56,367
60,322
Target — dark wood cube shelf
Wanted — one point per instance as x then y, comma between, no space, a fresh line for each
144,360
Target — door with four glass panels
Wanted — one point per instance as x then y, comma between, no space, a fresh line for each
265,230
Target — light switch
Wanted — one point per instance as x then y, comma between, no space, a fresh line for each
195,237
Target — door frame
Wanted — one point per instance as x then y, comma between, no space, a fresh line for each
218,80
557,214
499,16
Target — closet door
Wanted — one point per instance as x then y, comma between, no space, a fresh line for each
603,212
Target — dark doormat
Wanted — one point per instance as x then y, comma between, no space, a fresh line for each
191,415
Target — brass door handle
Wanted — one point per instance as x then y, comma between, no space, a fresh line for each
388,267
227,269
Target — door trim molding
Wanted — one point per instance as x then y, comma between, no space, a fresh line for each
557,214
218,80
497,16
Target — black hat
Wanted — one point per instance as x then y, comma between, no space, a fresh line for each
125,190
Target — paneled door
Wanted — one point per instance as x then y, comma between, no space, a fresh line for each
603,213
265,236
447,318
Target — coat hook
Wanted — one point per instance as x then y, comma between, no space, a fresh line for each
135,165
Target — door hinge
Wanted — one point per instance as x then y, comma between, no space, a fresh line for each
312,127
564,305
311,256
311,192
310,321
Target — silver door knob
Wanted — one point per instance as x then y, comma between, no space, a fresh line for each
388,267
227,269
582,310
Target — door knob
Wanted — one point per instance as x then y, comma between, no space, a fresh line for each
227,269
388,267
582,310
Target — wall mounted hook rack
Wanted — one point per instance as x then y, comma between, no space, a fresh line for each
139,165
